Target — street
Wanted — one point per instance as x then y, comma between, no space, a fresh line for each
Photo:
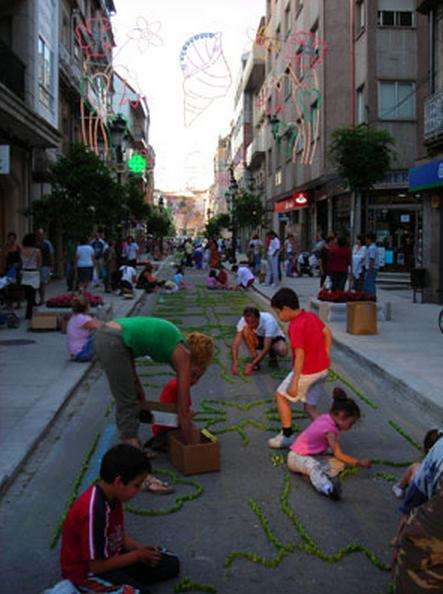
252,527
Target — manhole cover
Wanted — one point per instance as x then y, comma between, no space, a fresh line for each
16,342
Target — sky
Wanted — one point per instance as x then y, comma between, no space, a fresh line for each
150,35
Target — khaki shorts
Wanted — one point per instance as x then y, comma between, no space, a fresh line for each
305,383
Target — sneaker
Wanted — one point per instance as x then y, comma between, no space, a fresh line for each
398,491
273,363
280,441
335,493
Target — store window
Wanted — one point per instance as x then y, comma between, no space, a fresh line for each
396,100
45,73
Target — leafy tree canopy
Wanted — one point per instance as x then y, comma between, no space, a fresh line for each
216,224
247,209
362,155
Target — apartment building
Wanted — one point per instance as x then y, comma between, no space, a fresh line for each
332,63
28,102
217,202
426,178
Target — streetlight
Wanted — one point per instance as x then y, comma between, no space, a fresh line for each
117,129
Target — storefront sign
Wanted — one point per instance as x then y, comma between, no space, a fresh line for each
5,161
427,176
297,200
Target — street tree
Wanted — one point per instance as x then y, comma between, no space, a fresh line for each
216,224
247,209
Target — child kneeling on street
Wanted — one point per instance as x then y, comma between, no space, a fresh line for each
97,554
311,342
321,435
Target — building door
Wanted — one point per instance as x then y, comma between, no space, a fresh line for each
397,231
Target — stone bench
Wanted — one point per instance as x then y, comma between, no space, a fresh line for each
328,311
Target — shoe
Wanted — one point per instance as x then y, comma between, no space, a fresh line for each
273,363
335,493
280,441
398,491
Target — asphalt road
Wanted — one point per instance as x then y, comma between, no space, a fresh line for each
252,527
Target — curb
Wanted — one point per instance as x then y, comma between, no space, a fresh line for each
410,393
88,369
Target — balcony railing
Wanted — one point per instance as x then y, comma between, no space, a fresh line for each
434,117
12,71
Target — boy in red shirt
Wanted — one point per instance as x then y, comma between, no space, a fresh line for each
97,554
311,342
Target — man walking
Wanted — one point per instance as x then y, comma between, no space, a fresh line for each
47,250
371,265
272,272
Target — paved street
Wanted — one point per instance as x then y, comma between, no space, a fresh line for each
250,528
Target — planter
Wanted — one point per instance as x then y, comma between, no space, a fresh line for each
337,312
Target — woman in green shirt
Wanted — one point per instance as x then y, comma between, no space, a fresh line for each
119,343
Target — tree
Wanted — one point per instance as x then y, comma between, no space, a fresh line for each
215,225
135,199
159,223
362,155
247,209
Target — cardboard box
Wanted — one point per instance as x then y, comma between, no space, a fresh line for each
362,318
44,321
196,458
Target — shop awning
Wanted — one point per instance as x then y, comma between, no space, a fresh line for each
295,201
426,176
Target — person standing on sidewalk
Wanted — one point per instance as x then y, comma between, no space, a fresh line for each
290,255
311,342
84,264
339,264
99,246
256,246
32,261
371,265
272,272
47,265
358,264
131,251
120,342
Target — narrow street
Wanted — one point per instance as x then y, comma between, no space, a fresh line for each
252,527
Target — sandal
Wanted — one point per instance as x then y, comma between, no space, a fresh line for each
156,486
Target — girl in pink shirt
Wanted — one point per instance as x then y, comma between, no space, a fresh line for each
321,435
80,330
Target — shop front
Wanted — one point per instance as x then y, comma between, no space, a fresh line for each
396,220
293,217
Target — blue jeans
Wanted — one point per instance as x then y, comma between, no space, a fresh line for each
370,278
86,353
272,273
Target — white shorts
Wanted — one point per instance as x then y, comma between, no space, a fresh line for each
305,382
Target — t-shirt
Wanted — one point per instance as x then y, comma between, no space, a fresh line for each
267,326
274,247
372,254
128,273
313,439
155,337
99,246
244,275
77,336
169,395
84,255
211,282
178,278
306,332
131,250
256,245
47,249
339,259
93,529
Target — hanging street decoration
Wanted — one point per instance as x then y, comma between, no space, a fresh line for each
137,164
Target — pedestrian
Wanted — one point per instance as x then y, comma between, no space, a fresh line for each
188,253
206,256
290,255
272,272
111,268
147,279
47,265
323,257
97,553
339,264
311,342
418,565
70,264
120,342
179,278
84,264
32,260
259,331
198,257
80,331
320,436
99,246
371,265
214,259
245,278
358,264
212,282
13,260
130,252
128,278
256,245
222,277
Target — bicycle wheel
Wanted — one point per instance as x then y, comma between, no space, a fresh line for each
440,321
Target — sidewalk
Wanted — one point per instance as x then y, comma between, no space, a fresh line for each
408,349
36,379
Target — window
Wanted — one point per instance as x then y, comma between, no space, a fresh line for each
288,21
396,100
397,18
361,111
360,16
278,177
45,73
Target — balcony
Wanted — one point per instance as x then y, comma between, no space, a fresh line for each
12,71
254,72
256,151
434,119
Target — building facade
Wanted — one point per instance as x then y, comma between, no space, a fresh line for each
426,178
